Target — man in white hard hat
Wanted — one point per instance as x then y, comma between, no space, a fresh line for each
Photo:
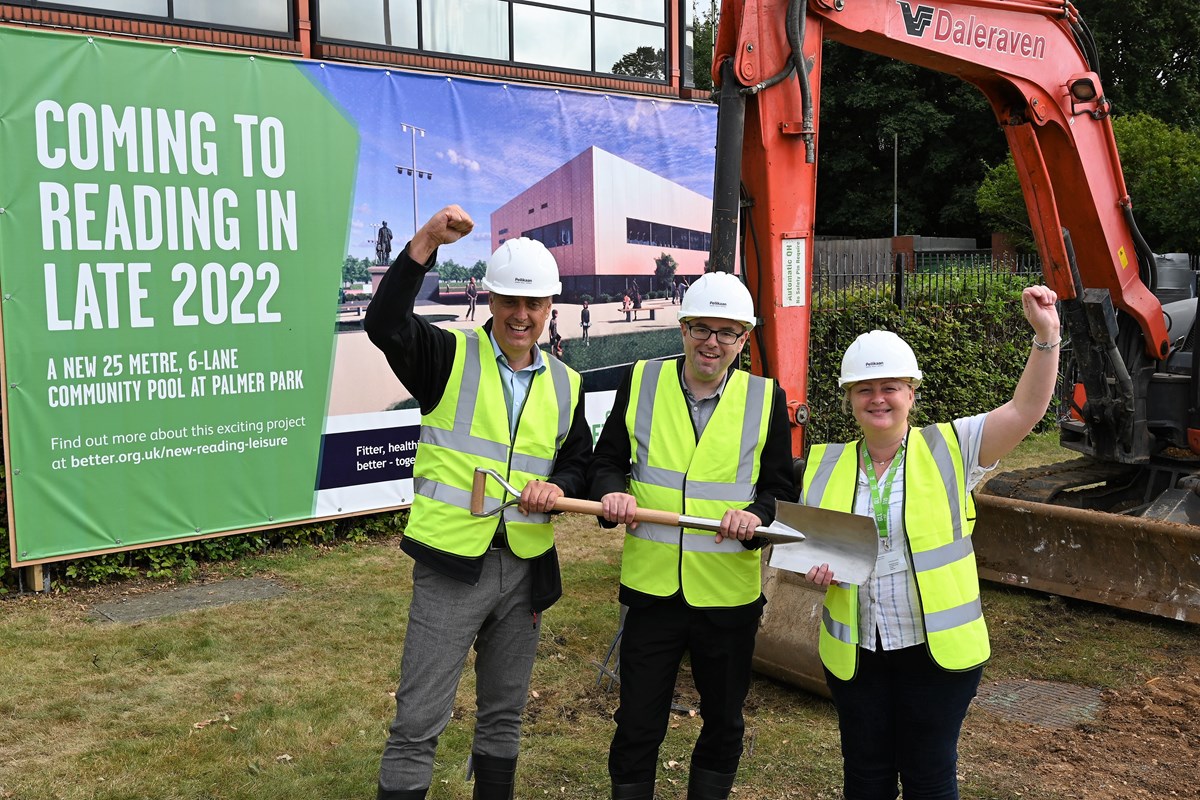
489,397
696,435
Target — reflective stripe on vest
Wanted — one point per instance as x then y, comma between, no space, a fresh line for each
938,528
671,471
469,428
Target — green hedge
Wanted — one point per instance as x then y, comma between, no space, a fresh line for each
971,342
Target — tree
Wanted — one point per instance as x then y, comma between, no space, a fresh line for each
354,270
1148,56
479,270
645,62
947,138
1161,164
704,31
450,271
664,270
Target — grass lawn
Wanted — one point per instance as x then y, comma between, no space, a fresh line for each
289,697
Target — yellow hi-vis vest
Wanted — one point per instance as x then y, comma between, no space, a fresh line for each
671,471
939,515
469,428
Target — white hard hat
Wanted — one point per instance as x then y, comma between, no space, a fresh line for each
878,354
721,295
522,268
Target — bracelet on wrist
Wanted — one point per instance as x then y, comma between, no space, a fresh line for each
1045,345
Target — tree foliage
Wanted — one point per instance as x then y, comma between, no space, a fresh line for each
1161,164
644,62
354,270
704,33
947,137
1149,58
664,270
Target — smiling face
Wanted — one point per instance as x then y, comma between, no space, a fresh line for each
881,406
705,362
517,323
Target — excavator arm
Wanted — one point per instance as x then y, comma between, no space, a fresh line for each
1035,62
1106,527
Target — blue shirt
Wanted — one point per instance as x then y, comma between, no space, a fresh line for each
516,382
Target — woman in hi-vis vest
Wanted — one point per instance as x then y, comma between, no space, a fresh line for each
904,652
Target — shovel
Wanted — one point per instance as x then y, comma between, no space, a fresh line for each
846,542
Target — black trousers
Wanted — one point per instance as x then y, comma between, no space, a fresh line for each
900,718
652,646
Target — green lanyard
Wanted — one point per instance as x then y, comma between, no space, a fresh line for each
881,499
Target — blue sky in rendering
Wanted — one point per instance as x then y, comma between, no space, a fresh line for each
485,142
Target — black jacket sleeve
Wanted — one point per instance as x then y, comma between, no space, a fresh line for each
420,353
609,470
571,464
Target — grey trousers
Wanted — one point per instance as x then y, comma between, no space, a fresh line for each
445,619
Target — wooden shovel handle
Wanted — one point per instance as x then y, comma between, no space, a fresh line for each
593,508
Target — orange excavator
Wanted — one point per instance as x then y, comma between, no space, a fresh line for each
1118,525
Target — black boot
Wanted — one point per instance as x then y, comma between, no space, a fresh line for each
494,777
633,791
704,784
401,794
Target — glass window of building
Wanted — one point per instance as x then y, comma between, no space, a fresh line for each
609,37
551,37
465,27
259,15
630,48
392,23
273,16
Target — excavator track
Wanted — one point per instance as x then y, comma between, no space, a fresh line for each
1043,528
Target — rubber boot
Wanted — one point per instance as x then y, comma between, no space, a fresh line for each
704,784
633,791
401,794
494,777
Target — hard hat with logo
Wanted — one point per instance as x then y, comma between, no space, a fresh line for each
522,268
721,295
878,354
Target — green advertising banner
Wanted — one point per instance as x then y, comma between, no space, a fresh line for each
172,222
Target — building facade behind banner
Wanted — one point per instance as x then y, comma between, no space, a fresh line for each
606,221
636,48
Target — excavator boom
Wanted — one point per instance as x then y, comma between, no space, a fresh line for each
1035,62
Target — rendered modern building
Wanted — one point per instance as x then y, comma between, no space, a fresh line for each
606,220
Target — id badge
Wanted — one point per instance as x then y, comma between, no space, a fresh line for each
890,563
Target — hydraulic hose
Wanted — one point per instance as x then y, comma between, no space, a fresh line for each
731,118
796,18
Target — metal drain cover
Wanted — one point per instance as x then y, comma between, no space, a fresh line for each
1044,703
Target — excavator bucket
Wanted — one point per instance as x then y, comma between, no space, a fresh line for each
786,646
1141,564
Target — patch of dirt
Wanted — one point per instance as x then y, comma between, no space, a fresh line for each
1144,743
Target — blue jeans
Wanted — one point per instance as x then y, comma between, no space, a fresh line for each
900,717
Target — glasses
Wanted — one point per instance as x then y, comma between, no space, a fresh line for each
701,334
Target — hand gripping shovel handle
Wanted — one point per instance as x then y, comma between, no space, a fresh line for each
592,508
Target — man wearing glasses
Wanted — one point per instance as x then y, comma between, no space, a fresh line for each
692,435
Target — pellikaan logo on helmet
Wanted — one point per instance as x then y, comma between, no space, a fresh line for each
519,279
970,33
870,364
718,303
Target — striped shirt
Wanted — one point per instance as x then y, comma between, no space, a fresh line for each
889,604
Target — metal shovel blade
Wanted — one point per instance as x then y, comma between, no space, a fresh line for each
848,543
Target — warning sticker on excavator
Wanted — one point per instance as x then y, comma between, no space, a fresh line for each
1124,258
794,272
